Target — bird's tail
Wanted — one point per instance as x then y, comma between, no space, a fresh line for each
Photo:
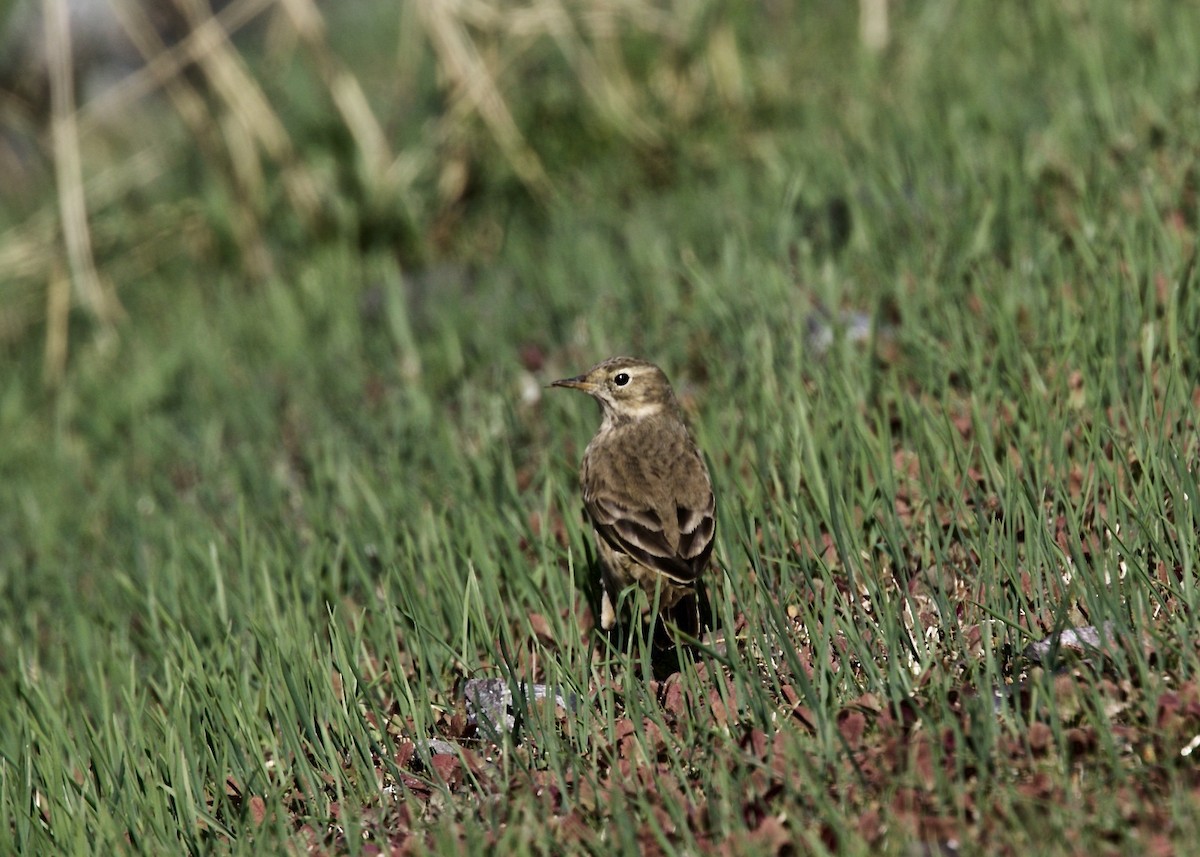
691,615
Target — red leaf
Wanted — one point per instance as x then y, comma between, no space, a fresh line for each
541,629
1081,740
447,768
1168,704
532,357
852,725
1040,738
673,699
772,836
756,742
258,809
870,826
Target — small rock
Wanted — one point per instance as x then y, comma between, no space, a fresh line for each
1081,641
489,701
438,747
821,329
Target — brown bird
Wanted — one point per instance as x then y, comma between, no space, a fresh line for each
646,490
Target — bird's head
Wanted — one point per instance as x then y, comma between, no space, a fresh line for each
625,387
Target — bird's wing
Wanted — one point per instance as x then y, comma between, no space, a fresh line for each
679,549
697,526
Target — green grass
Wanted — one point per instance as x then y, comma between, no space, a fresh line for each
252,552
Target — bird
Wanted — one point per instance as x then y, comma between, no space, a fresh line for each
647,492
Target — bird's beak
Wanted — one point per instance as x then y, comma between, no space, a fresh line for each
579,382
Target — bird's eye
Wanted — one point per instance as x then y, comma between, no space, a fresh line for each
621,379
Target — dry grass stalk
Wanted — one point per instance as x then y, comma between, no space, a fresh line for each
58,308
26,249
602,72
68,171
193,109
30,254
227,73
475,90
589,37
601,16
473,42
873,29
165,65
166,76
348,96
25,255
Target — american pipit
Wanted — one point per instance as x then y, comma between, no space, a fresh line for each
646,490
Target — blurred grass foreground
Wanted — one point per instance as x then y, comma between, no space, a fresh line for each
290,546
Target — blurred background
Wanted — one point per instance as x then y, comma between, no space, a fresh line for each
142,142
153,143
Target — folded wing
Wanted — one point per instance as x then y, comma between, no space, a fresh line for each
672,538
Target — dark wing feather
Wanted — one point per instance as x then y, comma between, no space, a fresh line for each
625,530
658,531
696,530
